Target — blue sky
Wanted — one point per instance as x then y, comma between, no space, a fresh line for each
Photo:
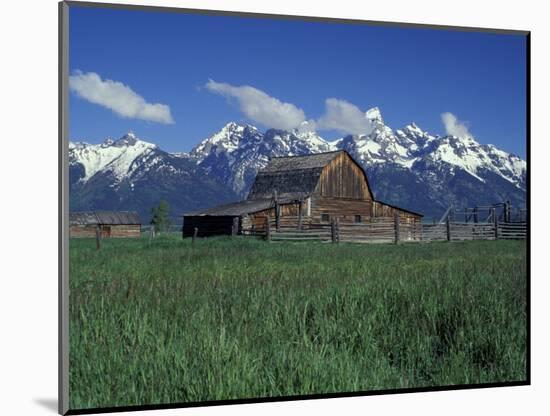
168,58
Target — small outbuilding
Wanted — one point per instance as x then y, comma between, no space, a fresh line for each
116,224
318,188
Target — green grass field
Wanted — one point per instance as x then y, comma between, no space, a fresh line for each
241,318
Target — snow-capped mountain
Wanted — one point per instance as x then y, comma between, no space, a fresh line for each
120,157
132,174
428,173
408,167
237,152
411,144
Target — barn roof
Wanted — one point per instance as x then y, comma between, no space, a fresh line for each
118,217
104,217
83,218
399,208
291,163
291,175
248,206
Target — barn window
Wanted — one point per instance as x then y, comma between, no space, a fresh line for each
358,218
325,217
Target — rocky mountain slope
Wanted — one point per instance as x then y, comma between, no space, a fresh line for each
408,167
131,174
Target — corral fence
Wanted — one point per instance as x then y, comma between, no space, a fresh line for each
496,222
387,230
378,230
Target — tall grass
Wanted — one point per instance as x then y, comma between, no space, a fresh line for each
166,321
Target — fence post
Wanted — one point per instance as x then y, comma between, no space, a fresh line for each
396,224
507,211
267,229
337,229
333,231
300,210
277,210
235,226
97,237
495,220
448,229
195,233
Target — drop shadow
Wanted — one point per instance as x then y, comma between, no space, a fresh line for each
49,404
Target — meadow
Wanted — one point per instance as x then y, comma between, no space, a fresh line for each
232,318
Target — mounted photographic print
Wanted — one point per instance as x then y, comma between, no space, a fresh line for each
265,207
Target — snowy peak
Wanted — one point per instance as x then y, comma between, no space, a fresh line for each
374,115
237,151
314,141
239,138
467,154
129,139
414,132
285,143
115,156
226,140
409,166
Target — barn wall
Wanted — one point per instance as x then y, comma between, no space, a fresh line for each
82,231
257,219
124,231
207,225
106,231
382,210
343,178
286,210
343,209
253,224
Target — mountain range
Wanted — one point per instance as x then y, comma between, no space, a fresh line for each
408,167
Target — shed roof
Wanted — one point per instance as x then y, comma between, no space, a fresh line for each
399,208
118,217
104,218
248,206
83,218
291,175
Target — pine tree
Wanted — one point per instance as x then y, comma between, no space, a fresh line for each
160,217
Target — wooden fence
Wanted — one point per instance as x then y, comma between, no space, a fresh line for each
458,231
377,230
512,231
389,230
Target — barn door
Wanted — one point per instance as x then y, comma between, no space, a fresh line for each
106,231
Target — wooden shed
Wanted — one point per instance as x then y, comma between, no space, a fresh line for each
109,223
318,187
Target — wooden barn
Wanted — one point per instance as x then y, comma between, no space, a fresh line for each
109,224
316,188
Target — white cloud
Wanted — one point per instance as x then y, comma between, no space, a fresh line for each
260,107
307,126
345,117
117,97
455,127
